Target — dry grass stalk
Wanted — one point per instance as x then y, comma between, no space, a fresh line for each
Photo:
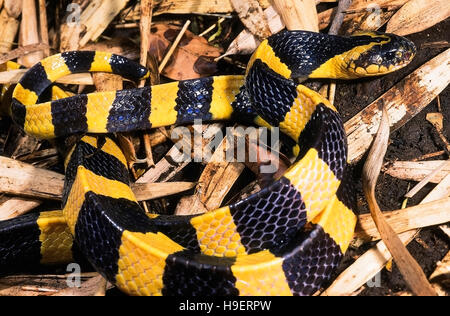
43,26
252,16
29,33
417,171
415,217
21,51
169,166
409,268
13,8
426,180
403,101
298,14
215,182
173,47
16,206
8,30
418,15
14,76
97,16
373,261
189,7
24,180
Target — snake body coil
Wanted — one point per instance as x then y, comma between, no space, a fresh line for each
257,246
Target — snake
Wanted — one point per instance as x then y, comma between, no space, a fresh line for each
287,239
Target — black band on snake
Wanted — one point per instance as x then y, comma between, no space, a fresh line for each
284,240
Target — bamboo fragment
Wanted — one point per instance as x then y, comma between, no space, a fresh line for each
442,272
373,261
298,14
43,25
151,191
215,182
17,206
252,16
417,171
9,27
189,7
424,215
14,76
418,15
97,16
25,180
18,52
18,178
426,180
170,165
29,33
403,102
409,268
13,8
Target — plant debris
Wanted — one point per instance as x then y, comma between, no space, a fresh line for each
188,39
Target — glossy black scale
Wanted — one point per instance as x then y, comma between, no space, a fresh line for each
19,243
270,217
271,95
305,51
194,100
190,274
325,132
76,122
130,111
309,261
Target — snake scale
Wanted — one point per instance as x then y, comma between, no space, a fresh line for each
286,239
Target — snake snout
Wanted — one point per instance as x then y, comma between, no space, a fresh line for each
386,57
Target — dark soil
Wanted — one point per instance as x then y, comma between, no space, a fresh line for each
413,140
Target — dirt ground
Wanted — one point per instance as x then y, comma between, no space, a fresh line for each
413,140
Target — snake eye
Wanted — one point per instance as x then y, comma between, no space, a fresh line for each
379,60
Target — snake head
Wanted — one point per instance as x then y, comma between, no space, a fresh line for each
386,53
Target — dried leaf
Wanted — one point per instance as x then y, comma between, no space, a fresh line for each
29,34
418,15
253,17
193,58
